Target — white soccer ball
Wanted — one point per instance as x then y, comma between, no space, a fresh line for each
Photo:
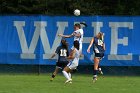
77,12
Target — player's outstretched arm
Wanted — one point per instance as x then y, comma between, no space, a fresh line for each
65,36
56,52
53,55
91,42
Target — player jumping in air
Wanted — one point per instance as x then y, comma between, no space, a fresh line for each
77,34
99,49
74,61
63,53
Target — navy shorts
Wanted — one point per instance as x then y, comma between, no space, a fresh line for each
99,55
61,64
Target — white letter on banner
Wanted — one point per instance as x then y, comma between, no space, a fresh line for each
97,27
48,51
28,53
115,40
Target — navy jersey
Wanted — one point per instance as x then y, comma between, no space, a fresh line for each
98,45
62,54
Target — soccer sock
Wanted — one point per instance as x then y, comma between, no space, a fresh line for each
66,75
95,73
69,75
99,68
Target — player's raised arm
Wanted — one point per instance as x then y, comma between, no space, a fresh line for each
53,55
56,52
65,36
103,41
91,43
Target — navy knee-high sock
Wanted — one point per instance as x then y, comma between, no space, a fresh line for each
95,73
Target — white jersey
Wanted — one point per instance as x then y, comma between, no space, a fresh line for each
76,58
80,39
74,63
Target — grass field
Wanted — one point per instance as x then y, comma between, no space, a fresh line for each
81,84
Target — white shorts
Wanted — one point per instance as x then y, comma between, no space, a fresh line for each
72,65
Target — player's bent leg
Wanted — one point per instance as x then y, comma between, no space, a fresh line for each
54,73
66,72
70,75
95,71
100,70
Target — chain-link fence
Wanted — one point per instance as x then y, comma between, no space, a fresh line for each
82,69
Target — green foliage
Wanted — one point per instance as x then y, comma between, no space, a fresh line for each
66,7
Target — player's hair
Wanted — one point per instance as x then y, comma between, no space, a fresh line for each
76,44
101,36
78,25
64,44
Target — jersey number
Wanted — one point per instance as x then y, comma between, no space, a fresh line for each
63,52
100,42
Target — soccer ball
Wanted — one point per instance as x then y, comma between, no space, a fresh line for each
77,12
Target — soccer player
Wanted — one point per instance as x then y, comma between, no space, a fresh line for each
63,53
99,49
74,61
77,34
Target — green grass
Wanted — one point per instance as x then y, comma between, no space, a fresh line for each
81,84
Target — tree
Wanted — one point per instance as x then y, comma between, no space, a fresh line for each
66,7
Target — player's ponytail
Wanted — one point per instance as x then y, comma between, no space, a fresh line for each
84,24
76,44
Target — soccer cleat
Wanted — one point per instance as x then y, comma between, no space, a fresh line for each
68,81
101,72
51,79
94,79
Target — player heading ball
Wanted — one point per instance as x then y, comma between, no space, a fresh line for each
77,34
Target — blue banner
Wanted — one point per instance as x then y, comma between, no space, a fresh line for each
33,39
